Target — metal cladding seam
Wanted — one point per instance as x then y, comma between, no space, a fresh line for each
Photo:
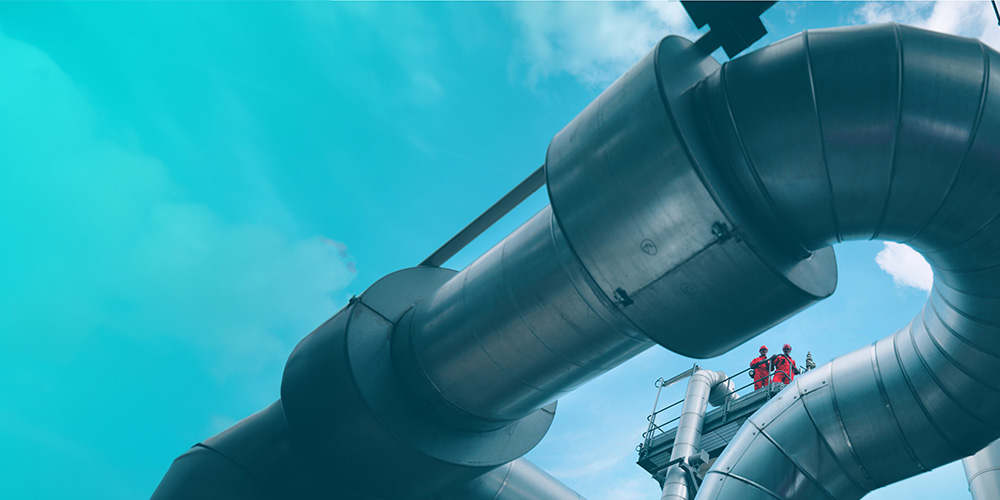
515,329
884,132
517,480
628,253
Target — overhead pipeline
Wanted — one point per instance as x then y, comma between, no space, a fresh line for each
693,207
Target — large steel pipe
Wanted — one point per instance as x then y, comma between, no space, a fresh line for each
638,244
882,132
514,330
448,374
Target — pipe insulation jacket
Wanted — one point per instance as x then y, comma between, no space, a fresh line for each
884,132
982,470
689,426
629,252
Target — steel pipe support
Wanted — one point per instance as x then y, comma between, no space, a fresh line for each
885,132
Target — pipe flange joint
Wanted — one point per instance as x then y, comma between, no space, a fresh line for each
657,223
353,420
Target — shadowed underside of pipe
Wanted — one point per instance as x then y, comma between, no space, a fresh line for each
883,132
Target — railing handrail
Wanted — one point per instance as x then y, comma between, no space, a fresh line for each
661,383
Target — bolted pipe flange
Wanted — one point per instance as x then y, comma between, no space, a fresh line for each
659,230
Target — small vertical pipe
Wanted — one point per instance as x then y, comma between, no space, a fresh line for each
675,486
982,470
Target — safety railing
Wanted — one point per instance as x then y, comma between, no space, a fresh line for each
655,429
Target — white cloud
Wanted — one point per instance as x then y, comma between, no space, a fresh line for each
968,19
633,489
594,437
791,10
102,234
595,42
243,292
91,472
218,423
906,266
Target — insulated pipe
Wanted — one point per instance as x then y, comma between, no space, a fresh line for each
452,374
512,331
631,249
700,386
983,472
884,132
249,461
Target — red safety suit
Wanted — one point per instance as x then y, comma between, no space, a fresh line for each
761,368
784,369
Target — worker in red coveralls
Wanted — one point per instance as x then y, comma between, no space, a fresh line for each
784,366
760,369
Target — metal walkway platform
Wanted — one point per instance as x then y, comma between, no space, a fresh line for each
720,426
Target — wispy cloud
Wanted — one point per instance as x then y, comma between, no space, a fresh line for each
604,448
139,314
595,434
969,19
633,489
97,473
244,292
595,42
108,237
906,266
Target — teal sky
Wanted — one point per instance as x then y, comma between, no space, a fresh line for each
186,190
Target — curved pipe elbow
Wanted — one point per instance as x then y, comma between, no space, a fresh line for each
723,392
882,132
